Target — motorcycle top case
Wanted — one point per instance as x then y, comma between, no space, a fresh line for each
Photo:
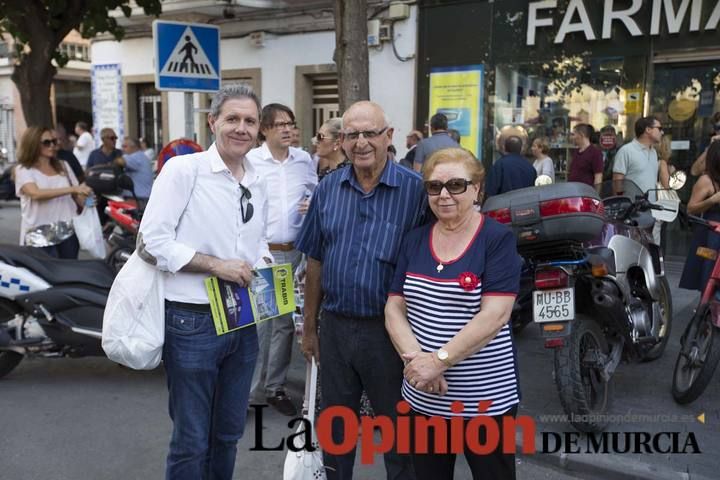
103,179
571,212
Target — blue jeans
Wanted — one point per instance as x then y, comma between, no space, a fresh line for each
357,354
208,380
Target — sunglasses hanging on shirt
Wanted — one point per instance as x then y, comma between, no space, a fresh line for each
246,208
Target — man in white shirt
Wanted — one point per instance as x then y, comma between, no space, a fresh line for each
84,144
291,175
207,217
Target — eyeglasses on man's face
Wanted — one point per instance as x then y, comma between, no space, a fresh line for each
367,134
454,186
282,125
246,208
49,141
111,137
659,127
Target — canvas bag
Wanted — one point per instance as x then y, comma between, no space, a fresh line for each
134,320
304,465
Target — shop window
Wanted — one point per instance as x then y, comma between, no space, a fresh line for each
547,99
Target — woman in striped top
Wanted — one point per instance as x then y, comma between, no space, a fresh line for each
450,301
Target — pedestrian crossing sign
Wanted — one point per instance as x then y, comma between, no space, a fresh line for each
187,56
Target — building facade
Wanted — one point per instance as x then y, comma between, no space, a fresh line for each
285,53
552,64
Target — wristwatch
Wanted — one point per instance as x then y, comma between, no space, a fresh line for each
444,356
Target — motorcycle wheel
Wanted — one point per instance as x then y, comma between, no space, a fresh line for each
8,360
666,327
584,394
698,358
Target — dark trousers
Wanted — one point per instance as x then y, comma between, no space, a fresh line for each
357,354
441,466
208,379
68,248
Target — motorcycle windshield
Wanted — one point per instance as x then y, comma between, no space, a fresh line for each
624,188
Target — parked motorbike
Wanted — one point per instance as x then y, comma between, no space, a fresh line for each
700,343
600,293
50,307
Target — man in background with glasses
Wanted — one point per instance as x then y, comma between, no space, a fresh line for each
206,217
352,234
107,153
290,175
637,160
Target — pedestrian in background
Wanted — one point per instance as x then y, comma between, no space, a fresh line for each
138,167
206,217
511,171
440,138
543,164
291,174
411,142
587,163
328,147
84,143
49,192
352,236
698,166
637,160
107,153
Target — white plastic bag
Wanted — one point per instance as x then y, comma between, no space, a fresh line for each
89,232
134,320
305,465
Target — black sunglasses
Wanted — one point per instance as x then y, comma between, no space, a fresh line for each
113,138
49,141
320,137
454,186
246,212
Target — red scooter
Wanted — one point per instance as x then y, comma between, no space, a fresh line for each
700,343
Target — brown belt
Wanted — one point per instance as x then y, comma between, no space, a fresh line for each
282,247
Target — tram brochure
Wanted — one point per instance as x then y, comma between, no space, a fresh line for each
269,295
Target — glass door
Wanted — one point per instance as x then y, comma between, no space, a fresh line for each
684,98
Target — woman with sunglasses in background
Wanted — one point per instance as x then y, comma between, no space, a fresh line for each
327,147
50,195
447,315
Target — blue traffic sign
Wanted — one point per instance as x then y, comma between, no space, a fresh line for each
187,56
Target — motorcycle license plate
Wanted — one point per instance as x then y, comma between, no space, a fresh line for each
553,305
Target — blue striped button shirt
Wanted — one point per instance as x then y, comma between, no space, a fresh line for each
356,235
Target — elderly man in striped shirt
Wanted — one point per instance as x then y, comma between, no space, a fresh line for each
351,235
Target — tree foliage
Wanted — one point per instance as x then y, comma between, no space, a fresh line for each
37,28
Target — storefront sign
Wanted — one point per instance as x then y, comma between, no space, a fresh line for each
576,18
457,92
107,104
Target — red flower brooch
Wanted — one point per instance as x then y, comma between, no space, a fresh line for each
468,281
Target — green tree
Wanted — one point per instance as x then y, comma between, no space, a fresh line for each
37,28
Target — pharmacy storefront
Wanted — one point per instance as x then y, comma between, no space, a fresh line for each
549,65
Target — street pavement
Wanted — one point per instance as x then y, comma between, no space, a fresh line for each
89,418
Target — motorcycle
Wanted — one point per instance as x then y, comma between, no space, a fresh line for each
700,342
600,293
50,307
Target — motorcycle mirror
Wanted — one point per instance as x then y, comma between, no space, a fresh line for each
678,179
125,182
543,180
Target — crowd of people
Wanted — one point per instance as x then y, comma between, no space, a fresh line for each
408,287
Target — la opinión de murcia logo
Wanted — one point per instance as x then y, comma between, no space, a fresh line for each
410,434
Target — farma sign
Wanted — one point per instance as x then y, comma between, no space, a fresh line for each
703,15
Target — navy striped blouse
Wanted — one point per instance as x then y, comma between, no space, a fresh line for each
356,235
438,307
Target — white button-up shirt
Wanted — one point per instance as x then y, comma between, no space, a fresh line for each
195,208
288,181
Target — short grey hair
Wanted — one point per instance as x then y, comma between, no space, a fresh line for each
133,141
230,91
334,127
